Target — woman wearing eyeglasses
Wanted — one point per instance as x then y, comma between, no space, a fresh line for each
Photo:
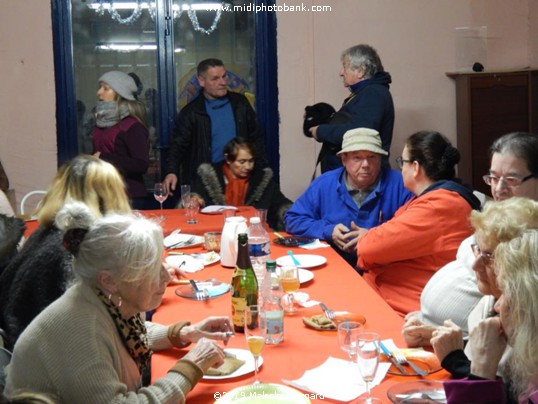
401,255
452,292
497,223
514,166
516,267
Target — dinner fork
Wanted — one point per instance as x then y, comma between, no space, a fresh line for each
199,294
402,360
328,312
182,243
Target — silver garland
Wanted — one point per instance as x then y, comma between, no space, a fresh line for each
135,15
194,19
137,12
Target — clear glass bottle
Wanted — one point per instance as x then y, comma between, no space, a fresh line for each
259,247
271,294
244,284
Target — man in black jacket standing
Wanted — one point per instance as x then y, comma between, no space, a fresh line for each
369,105
207,123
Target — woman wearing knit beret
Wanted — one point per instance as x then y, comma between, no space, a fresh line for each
121,135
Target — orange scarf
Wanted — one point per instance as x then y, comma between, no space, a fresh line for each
235,190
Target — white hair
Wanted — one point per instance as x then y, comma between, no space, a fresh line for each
127,245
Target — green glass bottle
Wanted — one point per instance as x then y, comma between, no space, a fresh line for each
244,284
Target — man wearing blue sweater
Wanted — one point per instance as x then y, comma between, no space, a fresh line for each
207,123
363,193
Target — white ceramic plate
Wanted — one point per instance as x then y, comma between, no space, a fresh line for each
414,391
214,288
305,260
208,258
263,393
304,275
190,264
248,367
174,239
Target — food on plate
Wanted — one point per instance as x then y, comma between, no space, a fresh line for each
319,322
230,365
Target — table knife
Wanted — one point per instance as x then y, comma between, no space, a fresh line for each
392,358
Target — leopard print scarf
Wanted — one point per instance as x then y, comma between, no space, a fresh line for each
132,331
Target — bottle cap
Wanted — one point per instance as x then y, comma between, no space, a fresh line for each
255,220
270,265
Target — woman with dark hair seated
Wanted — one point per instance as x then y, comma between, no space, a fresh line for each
400,255
239,182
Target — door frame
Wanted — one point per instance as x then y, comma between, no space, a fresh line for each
266,79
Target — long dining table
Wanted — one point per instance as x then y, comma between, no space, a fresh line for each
335,283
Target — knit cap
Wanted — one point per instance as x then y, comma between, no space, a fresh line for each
121,83
362,139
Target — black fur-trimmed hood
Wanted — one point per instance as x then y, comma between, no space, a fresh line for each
212,179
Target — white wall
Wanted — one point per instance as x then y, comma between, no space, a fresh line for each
415,39
27,97
417,44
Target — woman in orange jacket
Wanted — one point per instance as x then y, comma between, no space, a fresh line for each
399,256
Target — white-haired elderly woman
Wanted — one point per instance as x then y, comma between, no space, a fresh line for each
92,345
516,266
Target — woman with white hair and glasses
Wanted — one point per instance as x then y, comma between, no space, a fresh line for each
516,267
452,292
92,345
498,222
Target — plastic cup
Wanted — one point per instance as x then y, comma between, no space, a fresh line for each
226,213
262,214
212,241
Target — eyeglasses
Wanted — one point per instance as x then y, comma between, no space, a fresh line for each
400,161
510,182
487,258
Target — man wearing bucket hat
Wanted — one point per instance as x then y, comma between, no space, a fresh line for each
363,193
121,135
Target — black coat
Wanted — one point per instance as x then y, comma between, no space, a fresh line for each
11,232
37,276
190,141
262,192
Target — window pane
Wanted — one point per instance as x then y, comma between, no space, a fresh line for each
121,35
104,41
200,32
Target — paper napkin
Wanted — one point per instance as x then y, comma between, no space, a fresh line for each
314,245
217,208
346,387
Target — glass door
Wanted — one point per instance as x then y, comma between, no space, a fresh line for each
161,41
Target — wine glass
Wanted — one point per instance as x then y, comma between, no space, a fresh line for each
192,205
255,332
160,193
368,359
348,332
289,280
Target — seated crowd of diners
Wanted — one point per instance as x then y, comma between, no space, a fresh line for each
463,276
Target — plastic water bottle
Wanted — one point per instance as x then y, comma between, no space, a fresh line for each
259,247
271,294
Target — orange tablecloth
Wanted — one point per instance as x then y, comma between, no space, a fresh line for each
335,283
176,219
